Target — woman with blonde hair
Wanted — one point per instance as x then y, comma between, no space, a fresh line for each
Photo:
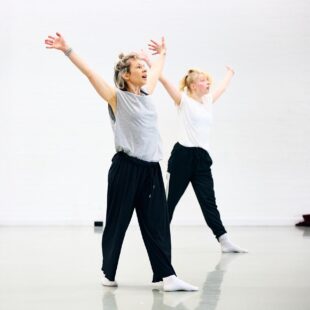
190,161
134,180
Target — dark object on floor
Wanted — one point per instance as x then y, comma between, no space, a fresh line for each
98,224
306,222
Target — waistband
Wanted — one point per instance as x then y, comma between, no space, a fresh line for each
137,161
196,151
198,148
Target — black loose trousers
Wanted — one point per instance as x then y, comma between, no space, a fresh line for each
137,184
193,164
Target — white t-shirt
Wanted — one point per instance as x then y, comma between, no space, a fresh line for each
195,120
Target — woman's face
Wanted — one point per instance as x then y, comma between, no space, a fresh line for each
201,85
138,73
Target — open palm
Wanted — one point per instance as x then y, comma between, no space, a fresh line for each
157,48
57,42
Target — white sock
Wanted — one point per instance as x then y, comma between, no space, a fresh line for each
158,284
173,283
229,247
107,282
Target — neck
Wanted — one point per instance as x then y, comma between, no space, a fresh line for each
134,89
195,96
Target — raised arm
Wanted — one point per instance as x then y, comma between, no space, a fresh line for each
174,93
223,85
107,92
157,65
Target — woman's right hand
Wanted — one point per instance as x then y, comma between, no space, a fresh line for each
57,42
103,89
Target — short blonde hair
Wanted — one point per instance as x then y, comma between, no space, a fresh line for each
123,66
191,76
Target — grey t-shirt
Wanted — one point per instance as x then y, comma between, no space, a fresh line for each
135,126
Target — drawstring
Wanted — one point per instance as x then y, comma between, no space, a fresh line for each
152,176
151,170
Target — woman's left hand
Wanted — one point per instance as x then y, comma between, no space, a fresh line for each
229,68
158,48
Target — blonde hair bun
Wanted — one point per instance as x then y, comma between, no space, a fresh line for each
191,76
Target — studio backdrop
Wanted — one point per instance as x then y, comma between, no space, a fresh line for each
56,141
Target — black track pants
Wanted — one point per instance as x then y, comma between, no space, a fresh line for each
193,164
137,184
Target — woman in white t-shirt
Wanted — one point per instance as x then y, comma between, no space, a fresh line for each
190,160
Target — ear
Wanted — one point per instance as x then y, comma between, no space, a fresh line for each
192,87
125,76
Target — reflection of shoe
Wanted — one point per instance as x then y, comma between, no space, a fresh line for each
107,282
173,283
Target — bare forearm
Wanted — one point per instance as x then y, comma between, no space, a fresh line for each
104,90
173,92
155,71
80,64
224,84
158,65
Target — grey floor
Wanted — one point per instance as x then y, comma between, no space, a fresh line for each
59,268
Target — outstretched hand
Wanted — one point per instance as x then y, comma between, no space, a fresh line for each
229,68
57,42
158,48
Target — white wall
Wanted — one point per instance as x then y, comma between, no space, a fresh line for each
55,136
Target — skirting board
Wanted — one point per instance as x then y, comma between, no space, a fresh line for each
175,222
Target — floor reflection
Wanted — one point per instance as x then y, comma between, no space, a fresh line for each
305,230
108,298
211,289
206,298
